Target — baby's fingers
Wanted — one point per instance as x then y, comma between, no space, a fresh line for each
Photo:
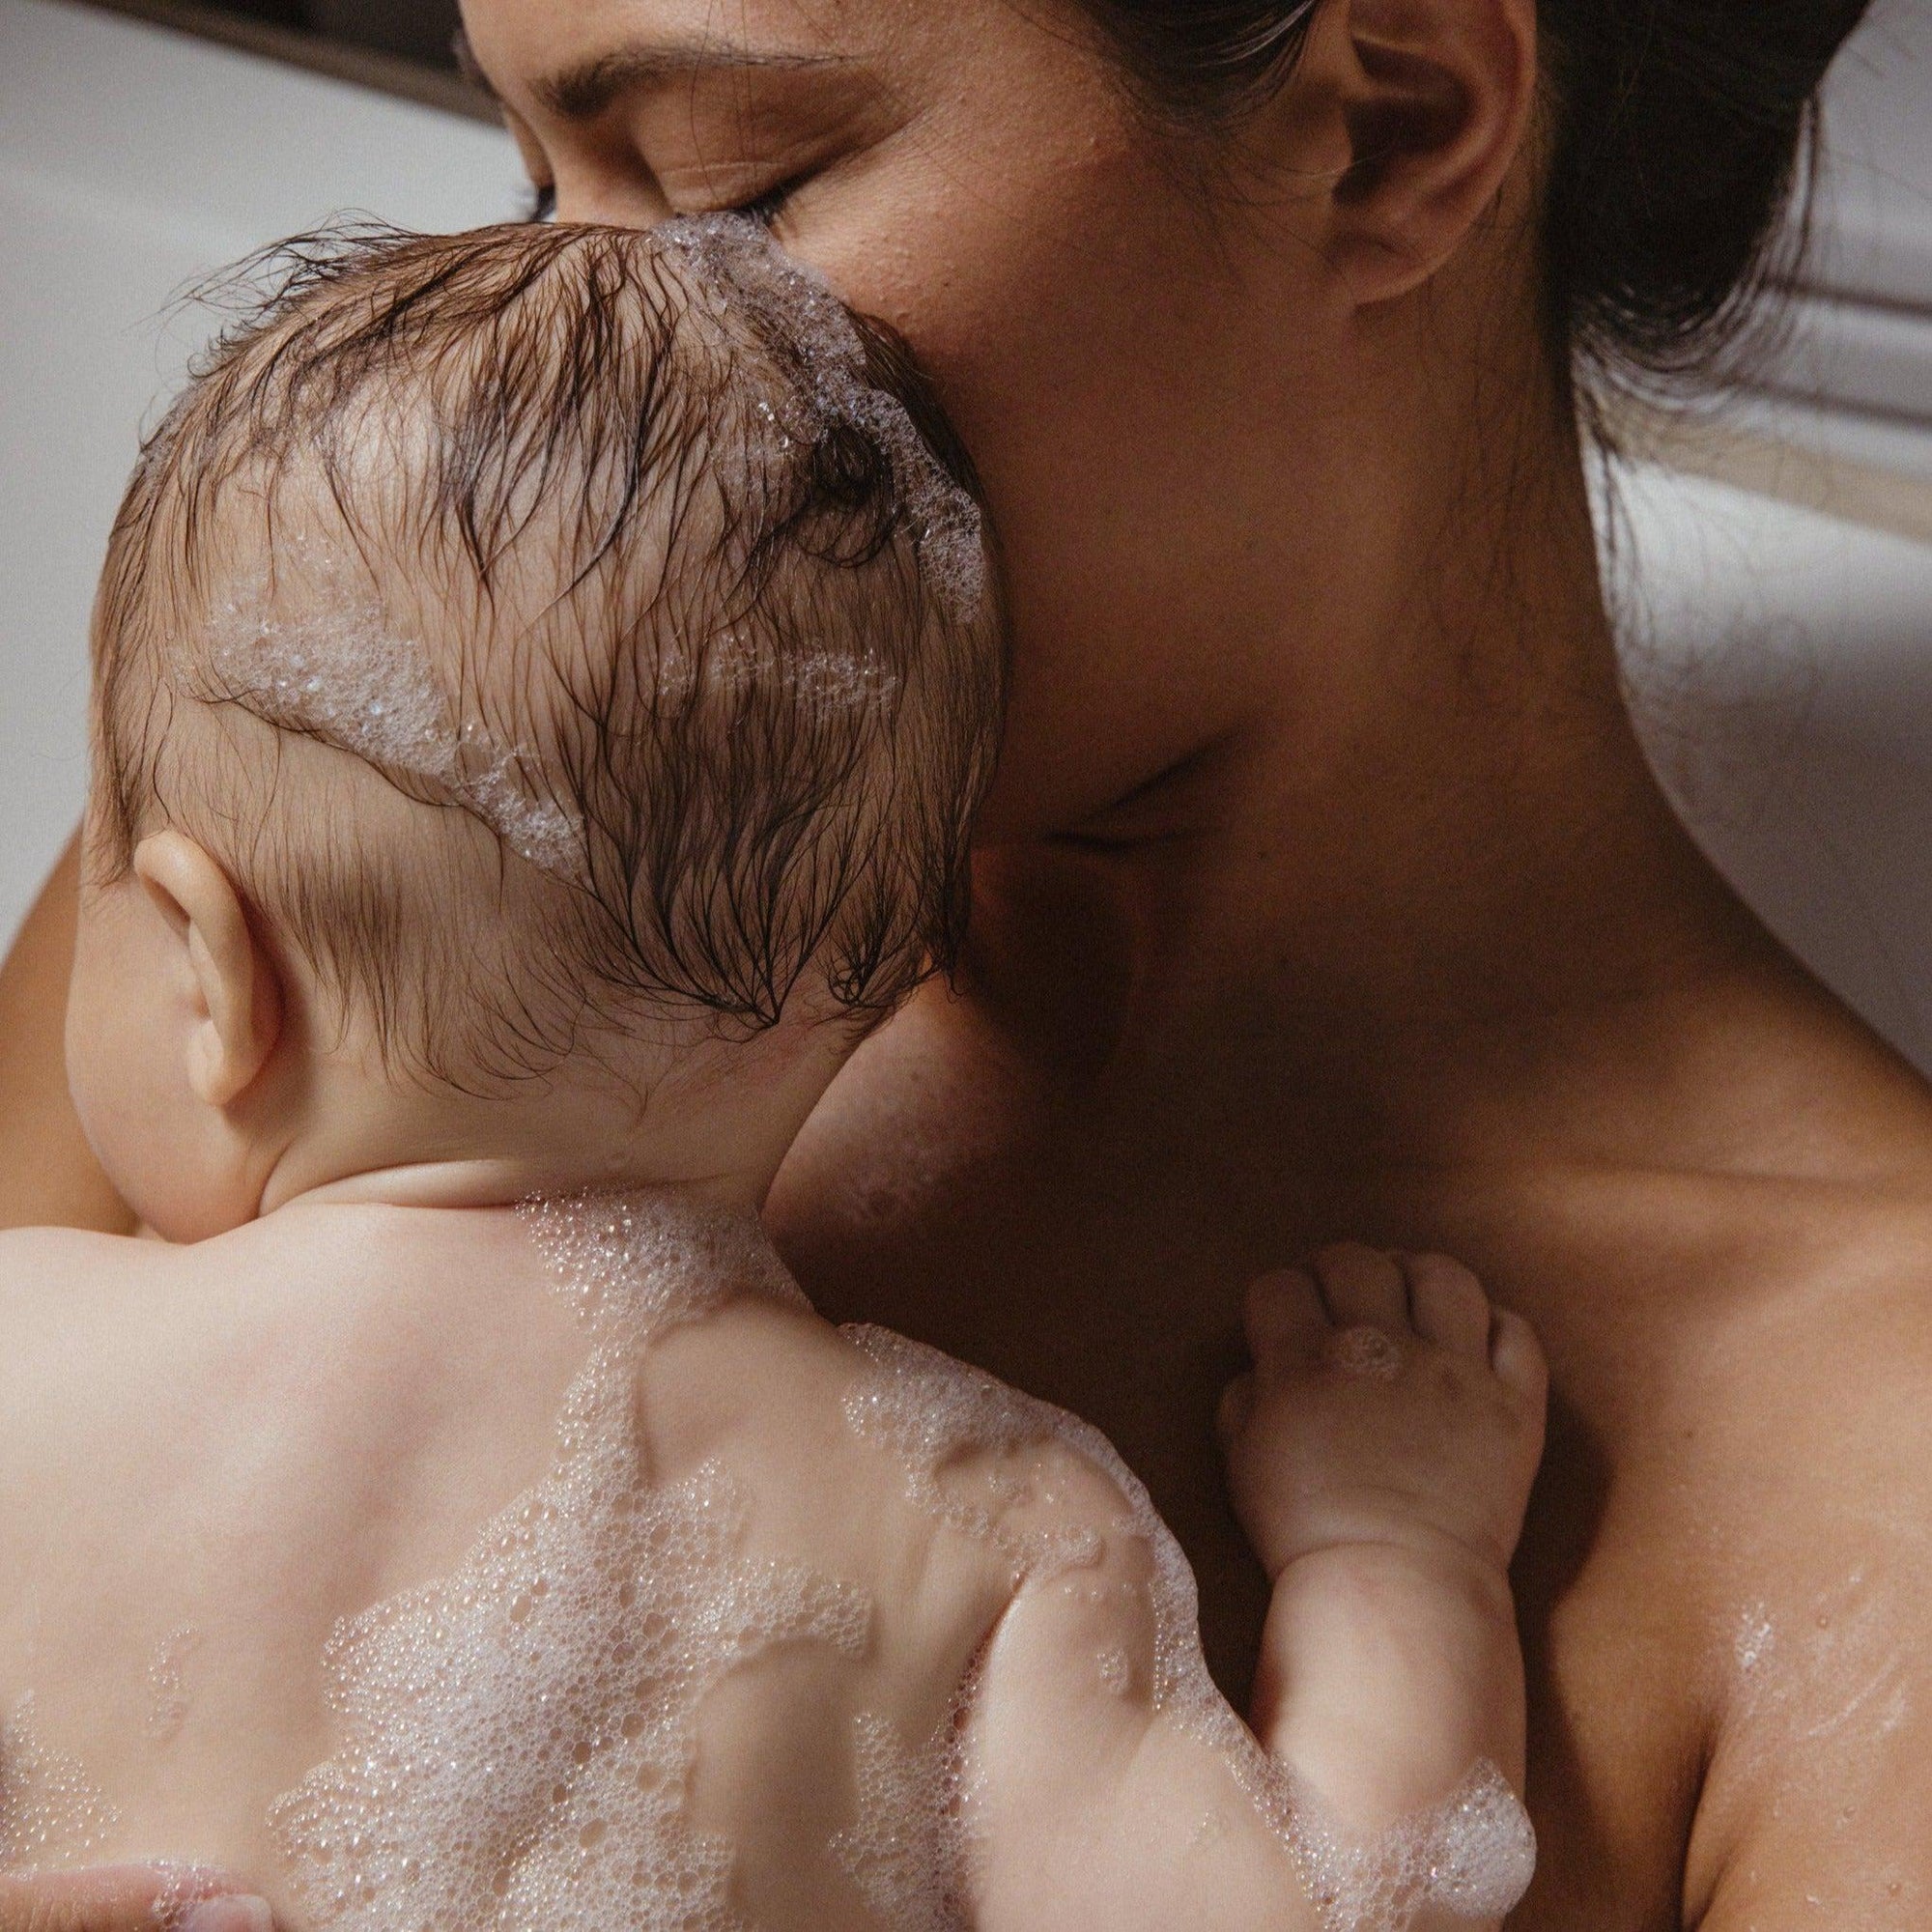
1237,1405
119,1898
1284,1318
1517,1358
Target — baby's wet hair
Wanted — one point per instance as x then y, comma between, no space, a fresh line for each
554,628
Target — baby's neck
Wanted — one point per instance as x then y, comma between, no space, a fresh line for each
715,1124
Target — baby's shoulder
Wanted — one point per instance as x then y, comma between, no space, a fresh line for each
48,1264
74,1307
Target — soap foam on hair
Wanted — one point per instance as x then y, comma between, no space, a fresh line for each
738,264
519,1740
340,673
1472,1856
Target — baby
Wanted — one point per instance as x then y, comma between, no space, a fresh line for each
544,680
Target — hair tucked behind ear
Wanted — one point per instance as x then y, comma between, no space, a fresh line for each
1677,131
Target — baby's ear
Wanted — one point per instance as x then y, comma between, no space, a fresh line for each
226,974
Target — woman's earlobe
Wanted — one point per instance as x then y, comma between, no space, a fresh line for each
236,991
1435,102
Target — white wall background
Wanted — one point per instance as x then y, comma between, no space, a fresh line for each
1784,661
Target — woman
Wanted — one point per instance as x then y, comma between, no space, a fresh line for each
1326,891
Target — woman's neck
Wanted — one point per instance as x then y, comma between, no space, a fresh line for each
1433,909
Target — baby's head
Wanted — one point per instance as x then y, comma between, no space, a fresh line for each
530,665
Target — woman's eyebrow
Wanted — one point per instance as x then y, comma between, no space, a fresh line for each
583,91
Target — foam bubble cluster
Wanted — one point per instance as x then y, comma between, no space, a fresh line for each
519,1740
929,1410
184,1886
738,264
633,1266
52,1812
910,1849
340,673
1473,1857
167,1682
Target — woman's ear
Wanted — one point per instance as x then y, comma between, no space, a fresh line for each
1434,98
226,974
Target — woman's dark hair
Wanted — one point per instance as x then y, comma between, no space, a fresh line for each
1678,127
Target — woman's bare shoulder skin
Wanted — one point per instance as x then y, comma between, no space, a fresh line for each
1816,1805
1727,1586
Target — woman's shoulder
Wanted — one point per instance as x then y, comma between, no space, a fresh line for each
1817,1505
1785,1325
1796,1479
1744,1395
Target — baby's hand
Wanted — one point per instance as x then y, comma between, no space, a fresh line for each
1381,1456
1389,1405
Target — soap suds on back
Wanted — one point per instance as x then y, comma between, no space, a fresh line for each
52,1812
520,1738
909,1851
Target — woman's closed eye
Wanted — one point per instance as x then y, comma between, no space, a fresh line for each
763,208
766,208
641,133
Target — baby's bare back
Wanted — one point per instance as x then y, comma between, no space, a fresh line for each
214,1453
349,1552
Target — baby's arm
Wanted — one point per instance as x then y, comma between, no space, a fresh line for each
1382,1460
1380,1457
1091,1807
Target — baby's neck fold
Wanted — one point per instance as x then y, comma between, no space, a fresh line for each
713,1122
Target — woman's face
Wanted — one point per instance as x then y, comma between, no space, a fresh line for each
1124,351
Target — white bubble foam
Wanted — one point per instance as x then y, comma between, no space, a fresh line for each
184,1886
912,1847
167,1682
636,1264
340,672
739,265
52,1812
519,1740
1471,1857
1477,1849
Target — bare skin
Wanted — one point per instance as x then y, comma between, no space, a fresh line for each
364,1448
1328,892
349,1355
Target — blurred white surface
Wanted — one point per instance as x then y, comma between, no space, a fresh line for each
1780,666
132,162
1875,193
1859,333
1783,661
